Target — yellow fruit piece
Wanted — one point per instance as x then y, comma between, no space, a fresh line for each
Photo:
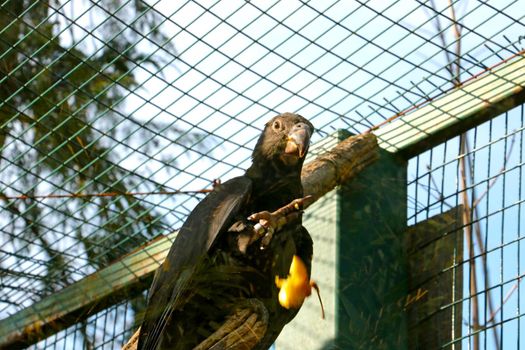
296,287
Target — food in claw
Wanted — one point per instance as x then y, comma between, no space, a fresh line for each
297,286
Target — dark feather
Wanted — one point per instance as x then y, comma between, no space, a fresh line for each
195,237
205,274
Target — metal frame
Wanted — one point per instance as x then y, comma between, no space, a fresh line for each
481,98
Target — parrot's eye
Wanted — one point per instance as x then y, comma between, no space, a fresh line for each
277,125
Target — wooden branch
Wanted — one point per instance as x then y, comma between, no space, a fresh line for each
125,278
340,164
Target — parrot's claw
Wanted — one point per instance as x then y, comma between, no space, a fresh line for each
270,222
266,225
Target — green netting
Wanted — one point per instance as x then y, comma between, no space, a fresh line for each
103,99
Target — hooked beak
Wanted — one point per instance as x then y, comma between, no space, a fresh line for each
298,140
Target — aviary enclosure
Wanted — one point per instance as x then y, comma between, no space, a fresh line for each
117,116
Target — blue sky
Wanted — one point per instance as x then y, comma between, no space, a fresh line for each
342,64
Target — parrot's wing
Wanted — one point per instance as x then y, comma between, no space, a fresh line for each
213,215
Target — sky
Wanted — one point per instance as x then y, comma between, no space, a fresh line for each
342,64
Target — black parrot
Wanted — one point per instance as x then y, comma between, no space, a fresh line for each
219,266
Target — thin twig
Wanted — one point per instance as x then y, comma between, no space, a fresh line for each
457,35
507,297
103,194
435,187
495,179
481,245
470,244
441,35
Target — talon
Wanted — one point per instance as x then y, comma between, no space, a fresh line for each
259,229
260,216
265,242
267,223
216,183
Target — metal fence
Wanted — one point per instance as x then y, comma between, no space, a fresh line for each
116,116
491,159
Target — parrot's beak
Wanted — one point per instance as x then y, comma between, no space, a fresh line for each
298,140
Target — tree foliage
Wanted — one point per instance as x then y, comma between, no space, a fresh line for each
61,110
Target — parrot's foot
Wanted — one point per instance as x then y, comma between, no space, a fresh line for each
268,223
242,330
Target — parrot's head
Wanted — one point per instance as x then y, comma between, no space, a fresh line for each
286,138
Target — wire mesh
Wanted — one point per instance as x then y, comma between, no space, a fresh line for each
492,265
107,329
120,96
